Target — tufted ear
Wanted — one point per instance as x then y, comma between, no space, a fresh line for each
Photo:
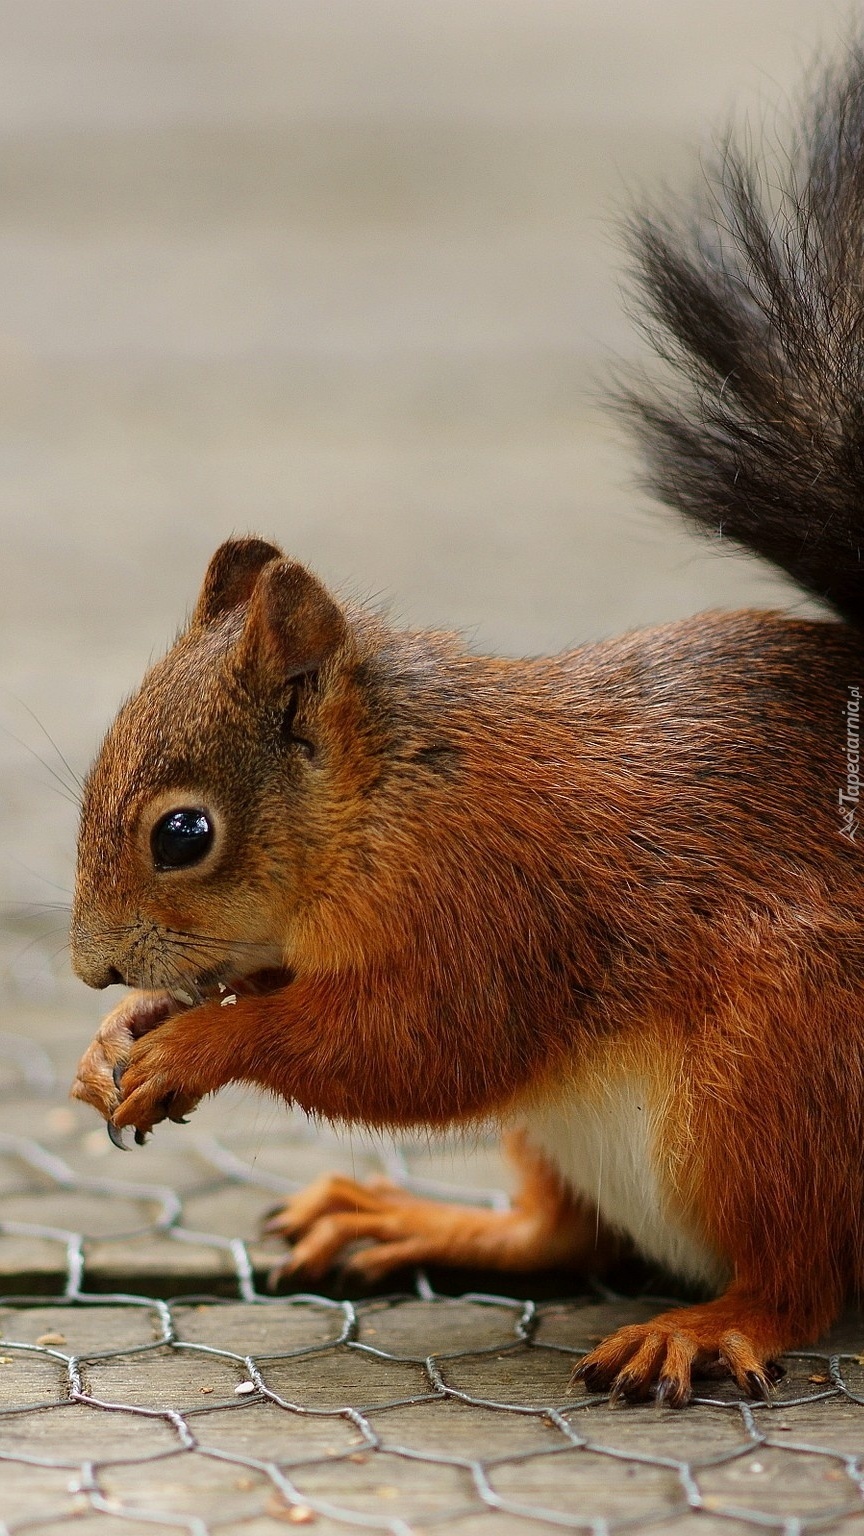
231,577
292,627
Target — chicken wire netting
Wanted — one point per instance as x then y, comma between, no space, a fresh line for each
149,1380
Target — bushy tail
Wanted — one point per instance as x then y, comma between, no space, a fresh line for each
758,302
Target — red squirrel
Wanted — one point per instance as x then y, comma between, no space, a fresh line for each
610,900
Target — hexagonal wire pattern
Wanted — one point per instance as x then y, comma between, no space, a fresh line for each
123,1411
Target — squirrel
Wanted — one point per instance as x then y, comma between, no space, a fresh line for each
611,901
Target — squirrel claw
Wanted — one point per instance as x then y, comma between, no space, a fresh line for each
759,1386
273,1223
593,1378
671,1392
277,1274
115,1136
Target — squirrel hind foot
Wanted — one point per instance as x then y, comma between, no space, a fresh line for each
325,1221
659,1360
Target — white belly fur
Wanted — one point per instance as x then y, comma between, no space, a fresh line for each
605,1148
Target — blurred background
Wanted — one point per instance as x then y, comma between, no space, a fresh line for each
345,273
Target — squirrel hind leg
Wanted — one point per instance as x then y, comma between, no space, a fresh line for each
659,1359
545,1228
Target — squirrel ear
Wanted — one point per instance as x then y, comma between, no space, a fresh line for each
231,577
293,625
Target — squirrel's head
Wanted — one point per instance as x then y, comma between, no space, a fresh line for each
209,798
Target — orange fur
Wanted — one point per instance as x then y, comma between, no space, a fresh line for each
490,871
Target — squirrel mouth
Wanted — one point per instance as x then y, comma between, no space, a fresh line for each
226,990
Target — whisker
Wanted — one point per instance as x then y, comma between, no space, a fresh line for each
36,906
64,891
163,958
60,786
40,938
180,981
215,943
180,938
65,793
76,779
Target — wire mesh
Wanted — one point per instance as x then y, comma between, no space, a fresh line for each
123,1410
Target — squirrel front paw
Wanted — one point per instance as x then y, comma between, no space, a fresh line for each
103,1077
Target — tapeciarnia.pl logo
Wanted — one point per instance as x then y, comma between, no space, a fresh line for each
847,798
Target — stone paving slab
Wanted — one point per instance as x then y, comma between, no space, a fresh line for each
395,1415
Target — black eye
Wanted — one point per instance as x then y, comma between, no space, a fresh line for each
181,838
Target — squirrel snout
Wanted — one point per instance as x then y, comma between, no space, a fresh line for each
99,976
92,960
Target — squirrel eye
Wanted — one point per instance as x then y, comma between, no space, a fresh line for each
181,838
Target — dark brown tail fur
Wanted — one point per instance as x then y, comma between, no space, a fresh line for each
758,303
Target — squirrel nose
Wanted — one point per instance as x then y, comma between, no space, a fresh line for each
90,962
108,976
